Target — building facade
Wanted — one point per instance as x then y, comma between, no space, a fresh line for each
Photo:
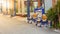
21,6
54,2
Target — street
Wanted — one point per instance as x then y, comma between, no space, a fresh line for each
18,26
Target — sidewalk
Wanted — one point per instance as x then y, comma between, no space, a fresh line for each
56,30
16,17
20,18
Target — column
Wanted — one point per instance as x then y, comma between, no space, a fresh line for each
11,7
23,11
15,7
18,6
4,7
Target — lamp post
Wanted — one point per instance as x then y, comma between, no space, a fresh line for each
44,5
28,9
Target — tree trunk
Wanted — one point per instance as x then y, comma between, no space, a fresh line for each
59,18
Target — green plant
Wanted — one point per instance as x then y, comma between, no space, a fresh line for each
58,25
52,15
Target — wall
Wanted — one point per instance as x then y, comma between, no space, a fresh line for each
48,4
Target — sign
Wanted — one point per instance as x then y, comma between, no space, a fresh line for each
35,4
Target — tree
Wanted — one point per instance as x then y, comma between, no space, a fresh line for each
53,14
58,7
58,10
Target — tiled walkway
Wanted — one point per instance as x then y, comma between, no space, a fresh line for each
20,26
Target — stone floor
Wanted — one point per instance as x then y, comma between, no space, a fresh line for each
19,26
